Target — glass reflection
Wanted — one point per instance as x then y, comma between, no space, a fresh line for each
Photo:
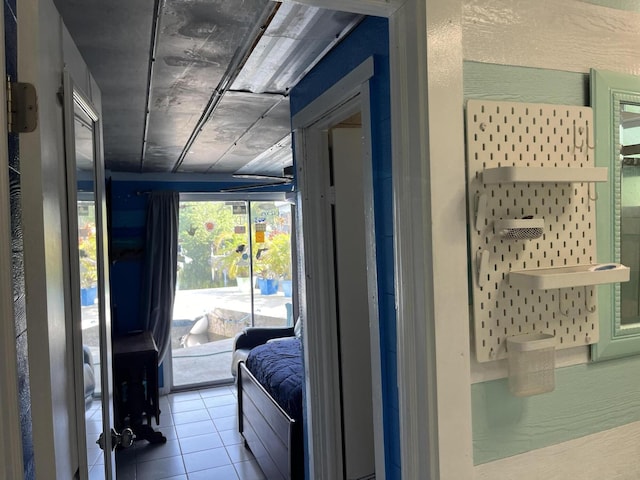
234,271
88,275
630,211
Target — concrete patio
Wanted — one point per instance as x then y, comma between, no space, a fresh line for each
200,353
205,322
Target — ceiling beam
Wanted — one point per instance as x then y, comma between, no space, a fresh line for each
157,13
237,62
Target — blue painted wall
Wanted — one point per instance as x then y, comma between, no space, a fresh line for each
17,252
371,38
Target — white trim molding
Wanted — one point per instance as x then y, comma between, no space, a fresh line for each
372,285
335,96
430,240
347,97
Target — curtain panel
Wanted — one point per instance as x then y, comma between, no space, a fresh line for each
160,267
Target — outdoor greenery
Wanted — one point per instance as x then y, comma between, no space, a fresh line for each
87,244
212,255
205,234
87,253
277,261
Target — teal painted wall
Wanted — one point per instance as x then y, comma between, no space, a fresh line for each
588,398
630,5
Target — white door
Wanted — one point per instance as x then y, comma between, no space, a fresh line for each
352,302
89,284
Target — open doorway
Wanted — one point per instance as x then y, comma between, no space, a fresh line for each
341,334
234,271
352,307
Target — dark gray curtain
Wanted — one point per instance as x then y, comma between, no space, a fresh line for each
160,267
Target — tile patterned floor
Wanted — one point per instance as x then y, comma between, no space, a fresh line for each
203,442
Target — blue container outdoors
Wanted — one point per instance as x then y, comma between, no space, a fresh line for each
268,286
88,296
286,287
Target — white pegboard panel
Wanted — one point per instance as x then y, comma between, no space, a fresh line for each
507,134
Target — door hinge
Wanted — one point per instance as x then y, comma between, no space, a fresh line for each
22,107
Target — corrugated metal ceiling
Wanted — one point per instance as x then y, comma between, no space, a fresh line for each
175,98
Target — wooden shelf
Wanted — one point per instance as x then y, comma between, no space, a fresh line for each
543,174
566,277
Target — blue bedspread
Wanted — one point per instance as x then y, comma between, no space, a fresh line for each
278,367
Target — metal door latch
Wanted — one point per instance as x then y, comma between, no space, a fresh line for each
22,107
124,439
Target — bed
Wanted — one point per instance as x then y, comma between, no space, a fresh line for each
270,384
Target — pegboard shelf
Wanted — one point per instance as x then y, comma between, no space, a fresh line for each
543,174
532,162
566,277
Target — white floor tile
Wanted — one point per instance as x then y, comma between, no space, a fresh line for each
166,420
249,471
216,391
148,452
223,411
193,429
187,406
96,472
239,453
220,401
160,468
184,396
94,426
200,442
226,423
169,432
231,437
219,473
191,417
206,459
94,455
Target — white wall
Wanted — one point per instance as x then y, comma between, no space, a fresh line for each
43,47
566,35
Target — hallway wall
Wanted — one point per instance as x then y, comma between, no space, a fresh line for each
595,406
44,50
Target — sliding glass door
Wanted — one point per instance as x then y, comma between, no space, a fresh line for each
234,271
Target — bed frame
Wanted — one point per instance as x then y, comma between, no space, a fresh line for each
274,438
